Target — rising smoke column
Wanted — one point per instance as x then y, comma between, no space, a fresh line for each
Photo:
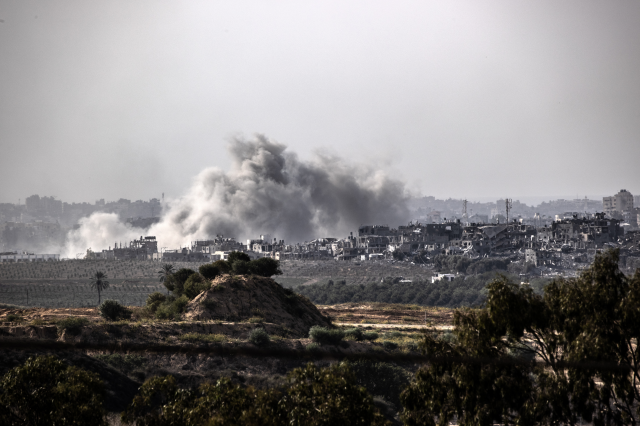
269,190
98,232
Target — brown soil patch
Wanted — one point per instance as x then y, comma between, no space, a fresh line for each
237,298
387,314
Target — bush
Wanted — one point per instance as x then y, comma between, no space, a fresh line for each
154,300
259,337
315,396
326,336
45,391
369,335
172,308
209,271
389,345
198,337
72,325
236,256
14,318
354,333
179,278
240,267
313,347
195,284
223,266
329,396
112,311
265,267
381,378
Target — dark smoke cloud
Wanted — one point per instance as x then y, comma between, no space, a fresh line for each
271,191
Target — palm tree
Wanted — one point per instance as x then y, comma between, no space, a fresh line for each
99,282
164,274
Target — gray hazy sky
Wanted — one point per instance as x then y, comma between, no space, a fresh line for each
110,99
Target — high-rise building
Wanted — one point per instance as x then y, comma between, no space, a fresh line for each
622,202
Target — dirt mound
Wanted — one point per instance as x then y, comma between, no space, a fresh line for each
237,298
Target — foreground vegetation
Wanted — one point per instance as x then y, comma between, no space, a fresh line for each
563,354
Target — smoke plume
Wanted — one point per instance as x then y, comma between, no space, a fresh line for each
269,191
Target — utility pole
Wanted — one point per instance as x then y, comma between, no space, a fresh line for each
508,205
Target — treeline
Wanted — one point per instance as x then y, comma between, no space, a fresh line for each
46,391
462,291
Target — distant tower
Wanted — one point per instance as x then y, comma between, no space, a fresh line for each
163,197
508,205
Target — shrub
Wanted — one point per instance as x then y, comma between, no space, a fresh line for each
381,378
14,318
259,337
72,325
353,333
326,336
313,347
329,396
240,267
179,278
209,271
198,337
112,310
45,391
196,284
223,266
265,267
165,312
369,335
389,345
171,309
236,256
154,300
180,303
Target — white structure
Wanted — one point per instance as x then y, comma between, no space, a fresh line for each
444,277
29,257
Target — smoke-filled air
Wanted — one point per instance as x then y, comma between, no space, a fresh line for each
268,190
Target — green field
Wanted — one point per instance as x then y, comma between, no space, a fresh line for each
67,283
75,294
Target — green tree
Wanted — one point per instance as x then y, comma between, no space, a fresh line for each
223,266
161,402
178,278
234,256
265,267
329,396
585,330
164,274
196,284
314,396
45,391
99,282
209,271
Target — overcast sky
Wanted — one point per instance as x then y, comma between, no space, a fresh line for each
110,99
